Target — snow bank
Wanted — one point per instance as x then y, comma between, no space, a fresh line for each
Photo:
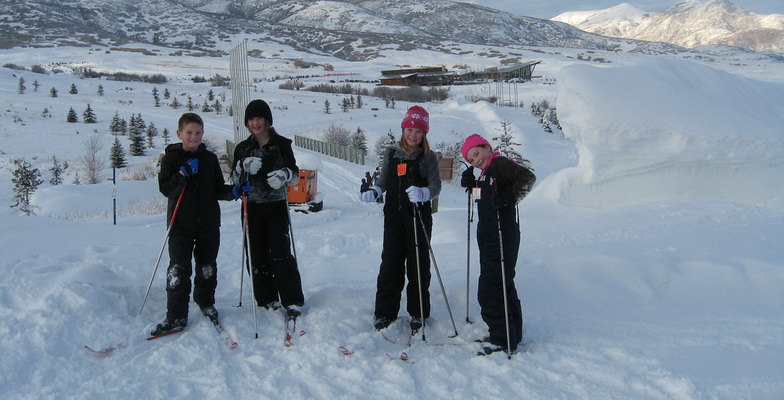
663,130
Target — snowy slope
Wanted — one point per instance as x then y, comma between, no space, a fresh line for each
653,295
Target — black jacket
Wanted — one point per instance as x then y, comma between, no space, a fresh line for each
276,154
199,209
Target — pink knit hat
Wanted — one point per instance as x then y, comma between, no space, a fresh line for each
471,142
416,117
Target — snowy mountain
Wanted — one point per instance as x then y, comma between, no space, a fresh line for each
352,30
688,24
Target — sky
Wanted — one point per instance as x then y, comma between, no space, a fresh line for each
547,9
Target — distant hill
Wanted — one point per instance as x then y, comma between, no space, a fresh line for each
348,29
689,24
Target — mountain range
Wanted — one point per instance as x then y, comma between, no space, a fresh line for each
689,24
348,29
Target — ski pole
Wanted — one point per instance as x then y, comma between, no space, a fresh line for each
503,283
291,228
419,271
438,273
165,239
245,228
243,263
470,219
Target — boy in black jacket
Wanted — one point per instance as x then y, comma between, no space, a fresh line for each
189,170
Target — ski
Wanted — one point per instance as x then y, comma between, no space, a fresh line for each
172,332
403,357
345,351
224,335
105,351
291,331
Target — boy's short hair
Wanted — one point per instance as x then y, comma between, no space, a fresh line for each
188,118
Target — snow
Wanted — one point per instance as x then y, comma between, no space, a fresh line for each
650,266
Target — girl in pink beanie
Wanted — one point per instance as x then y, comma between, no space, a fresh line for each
410,177
501,184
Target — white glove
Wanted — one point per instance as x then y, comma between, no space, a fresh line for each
277,178
371,195
418,194
251,165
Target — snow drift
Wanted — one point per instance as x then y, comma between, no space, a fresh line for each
662,130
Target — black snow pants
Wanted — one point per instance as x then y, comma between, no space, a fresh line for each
490,293
203,247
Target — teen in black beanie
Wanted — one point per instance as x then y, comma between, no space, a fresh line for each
258,108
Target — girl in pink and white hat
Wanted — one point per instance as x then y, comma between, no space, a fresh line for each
410,178
501,184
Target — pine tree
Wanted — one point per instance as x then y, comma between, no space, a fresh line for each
46,114
73,89
166,93
100,90
52,92
57,172
190,104
72,117
89,115
205,108
210,95
155,97
326,106
218,107
152,132
174,104
26,180
505,147
117,125
359,101
118,154
36,85
21,86
359,141
136,134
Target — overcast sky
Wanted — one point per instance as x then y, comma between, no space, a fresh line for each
547,9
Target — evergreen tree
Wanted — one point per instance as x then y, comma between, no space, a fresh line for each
36,85
100,90
73,89
26,180
506,143
57,172
174,104
152,132
118,154
218,107
21,86
205,108
155,97
190,104
359,101
52,92
46,114
381,146
166,93
326,106
165,136
210,95
359,141
89,115
72,117
136,134
117,125
345,105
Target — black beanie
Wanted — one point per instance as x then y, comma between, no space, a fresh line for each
258,108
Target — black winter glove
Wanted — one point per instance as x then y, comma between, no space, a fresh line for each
467,180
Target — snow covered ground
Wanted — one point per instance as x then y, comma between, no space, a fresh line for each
651,264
